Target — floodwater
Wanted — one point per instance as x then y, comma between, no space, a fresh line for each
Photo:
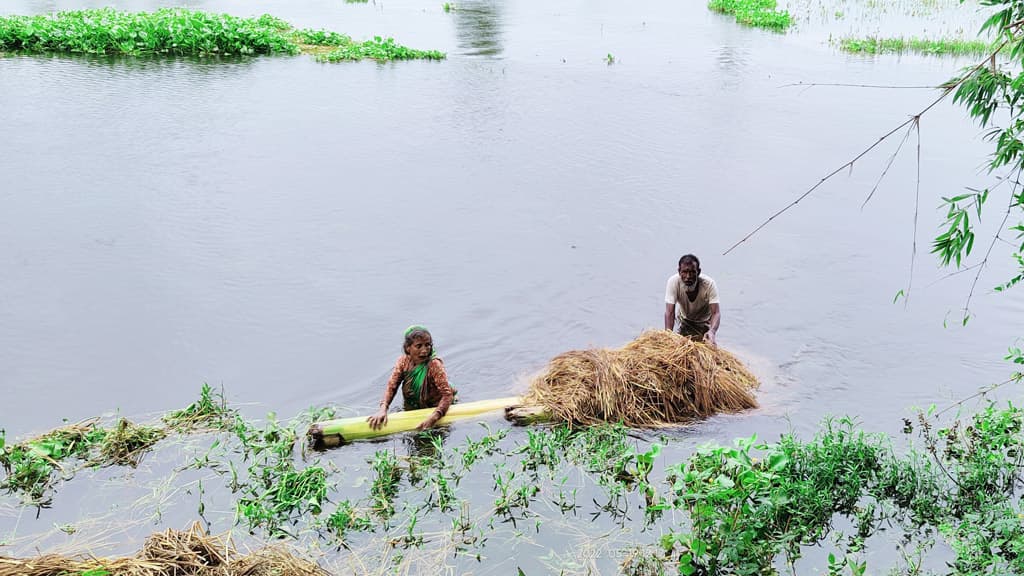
272,225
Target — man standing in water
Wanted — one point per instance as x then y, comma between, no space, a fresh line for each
695,297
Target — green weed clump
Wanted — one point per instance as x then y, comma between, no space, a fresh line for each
175,31
184,32
947,47
274,492
31,465
346,518
381,49
127,442
755,13
210,412
321,38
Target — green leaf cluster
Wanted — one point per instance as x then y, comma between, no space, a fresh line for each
992,92
755,13
175,31
751,503
381,49
185,32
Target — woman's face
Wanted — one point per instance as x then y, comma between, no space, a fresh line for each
420,348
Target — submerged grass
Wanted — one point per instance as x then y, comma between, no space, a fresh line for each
755,13
744,508
184,32
941,46
210,411
127,442
31,466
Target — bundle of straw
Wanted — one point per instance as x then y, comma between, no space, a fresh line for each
171,553
658,379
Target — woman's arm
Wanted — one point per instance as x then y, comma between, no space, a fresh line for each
378,420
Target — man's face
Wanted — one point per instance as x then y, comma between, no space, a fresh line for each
688,273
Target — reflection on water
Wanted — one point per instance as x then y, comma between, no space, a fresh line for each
732,62
479,27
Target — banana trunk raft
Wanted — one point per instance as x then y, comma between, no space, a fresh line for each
658,379
332,433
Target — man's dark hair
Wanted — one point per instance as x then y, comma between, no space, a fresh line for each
691,259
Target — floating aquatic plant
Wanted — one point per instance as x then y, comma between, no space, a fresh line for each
755,13
185,32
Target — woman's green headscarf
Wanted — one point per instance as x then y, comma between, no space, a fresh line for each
418,374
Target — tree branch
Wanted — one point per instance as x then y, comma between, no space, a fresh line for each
984,261
946,90
841,85
917,204
891,160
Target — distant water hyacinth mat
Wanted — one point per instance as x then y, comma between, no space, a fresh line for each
756,13
951,47
183,32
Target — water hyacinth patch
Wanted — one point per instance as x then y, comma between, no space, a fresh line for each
175,31
378,49
755,13
184,32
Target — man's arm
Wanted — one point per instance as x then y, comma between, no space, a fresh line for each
670,316
716,319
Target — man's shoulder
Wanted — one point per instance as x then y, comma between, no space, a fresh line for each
706,278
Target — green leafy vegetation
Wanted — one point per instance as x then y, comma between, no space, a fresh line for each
184,32
755,13
210,411
126,443
378,48
873,45
175,31
31,466
745,508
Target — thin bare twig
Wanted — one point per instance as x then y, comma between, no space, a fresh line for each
979,393
951,274
842,85
917,204
946,90
891,160
984,261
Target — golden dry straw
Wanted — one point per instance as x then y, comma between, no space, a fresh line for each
171,553
660,378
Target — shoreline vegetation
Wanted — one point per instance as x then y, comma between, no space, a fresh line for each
938,47
723,509
755,13
185,32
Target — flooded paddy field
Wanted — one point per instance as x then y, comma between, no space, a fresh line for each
270,225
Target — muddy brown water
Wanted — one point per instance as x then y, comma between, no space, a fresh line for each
271,225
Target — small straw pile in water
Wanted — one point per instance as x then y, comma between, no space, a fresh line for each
171,553
658,379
